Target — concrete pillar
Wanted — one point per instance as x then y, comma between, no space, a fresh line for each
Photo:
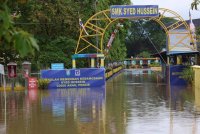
197,99
196,76
197,86
73,63
149,62
179,59
133,62
102,62
141,62
168,60
92,62
156,61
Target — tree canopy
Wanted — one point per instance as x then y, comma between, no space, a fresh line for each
194,4
55,26
14,41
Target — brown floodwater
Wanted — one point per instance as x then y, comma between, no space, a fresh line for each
133,102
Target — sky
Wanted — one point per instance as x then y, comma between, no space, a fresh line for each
179,6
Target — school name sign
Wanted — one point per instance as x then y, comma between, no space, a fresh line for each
131,11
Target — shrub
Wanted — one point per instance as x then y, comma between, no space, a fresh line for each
43,83
155,64
108,69
187,74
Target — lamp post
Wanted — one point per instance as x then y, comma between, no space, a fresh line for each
26,70
12,72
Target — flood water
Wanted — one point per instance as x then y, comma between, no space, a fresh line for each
133,102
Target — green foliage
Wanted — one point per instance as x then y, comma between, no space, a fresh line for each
12,38
137,40
57,51
118,51
198,30
187,74
43,83
145,54
51,19
155,64
55,25
23,42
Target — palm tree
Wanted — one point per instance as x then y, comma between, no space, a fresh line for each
195,3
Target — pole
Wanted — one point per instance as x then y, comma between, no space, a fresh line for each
92,63
97,41
95,6
102,62
73,63
4,86
26,83
12,85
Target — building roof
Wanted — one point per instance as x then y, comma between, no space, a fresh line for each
196,22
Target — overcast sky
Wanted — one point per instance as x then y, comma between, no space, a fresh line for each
179,6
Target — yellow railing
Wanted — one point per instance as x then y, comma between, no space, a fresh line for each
109,74
157,69
16,88
113,71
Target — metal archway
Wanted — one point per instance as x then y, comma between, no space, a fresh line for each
95,30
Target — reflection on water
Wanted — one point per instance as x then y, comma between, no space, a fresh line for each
197,100
134,102
55,111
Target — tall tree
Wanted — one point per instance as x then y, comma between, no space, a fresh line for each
51,20
146,36
14,41
195,4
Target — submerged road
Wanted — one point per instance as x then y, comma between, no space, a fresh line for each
133,102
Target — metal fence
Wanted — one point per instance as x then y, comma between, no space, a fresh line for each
18,81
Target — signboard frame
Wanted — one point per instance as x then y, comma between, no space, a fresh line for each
75,78
32,83
57,66
133,11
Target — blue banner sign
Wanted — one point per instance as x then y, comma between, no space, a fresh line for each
175,75
131,11
57,66
75,78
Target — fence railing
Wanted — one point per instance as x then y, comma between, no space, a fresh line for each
111,72
18,82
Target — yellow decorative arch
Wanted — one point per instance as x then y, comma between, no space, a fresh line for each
95,30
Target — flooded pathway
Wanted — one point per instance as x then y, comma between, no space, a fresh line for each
134,102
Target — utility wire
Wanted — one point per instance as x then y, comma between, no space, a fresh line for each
151,42
31,23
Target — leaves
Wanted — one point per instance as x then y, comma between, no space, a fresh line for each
58,50
187,74
24,43
137,41
11,36
55,25
194,4
5,21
